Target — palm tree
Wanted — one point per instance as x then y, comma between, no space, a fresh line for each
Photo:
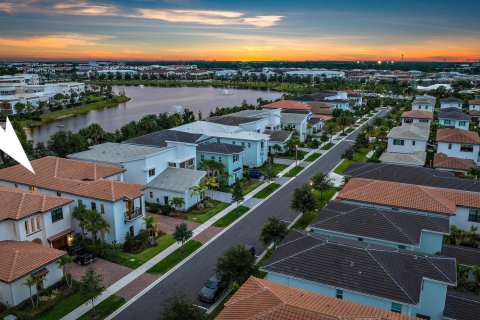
94,223
321,182
79,213
150,226
33,281
369,129
177,202
211,183
62,263
197,191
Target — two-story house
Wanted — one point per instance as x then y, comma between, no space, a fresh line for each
454,118
456,143
402,281
407,144
417,116
297,122
382,226
451,102
33,216
424,103
474,108
231,156
97,186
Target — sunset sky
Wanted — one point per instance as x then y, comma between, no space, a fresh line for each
422,30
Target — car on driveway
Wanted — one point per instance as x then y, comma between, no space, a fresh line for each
82,255
211,291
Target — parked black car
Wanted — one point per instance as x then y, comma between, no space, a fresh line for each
82,255
211,291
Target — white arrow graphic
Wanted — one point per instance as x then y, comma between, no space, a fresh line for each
10,144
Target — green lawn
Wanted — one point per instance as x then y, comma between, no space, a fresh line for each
313,157
64,307
357,157
307,218
135,260
250,186
279,167
300,155
230,217
349,130
175,257
327,146
265,192
204,214
294,171
105,308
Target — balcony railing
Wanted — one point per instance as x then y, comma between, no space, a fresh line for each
132,215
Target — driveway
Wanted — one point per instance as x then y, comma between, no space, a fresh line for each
110,271
167,224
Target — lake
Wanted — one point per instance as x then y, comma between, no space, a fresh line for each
148,100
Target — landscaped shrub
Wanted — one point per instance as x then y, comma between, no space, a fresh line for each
101,249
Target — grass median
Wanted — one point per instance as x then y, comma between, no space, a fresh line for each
135,260
105,308
204,214
265,192
294,171
175,257
230,217
313,157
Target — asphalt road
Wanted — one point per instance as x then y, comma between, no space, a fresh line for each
190,277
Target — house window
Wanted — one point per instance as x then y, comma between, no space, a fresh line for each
360,239
165,199
449,146
151,172
398,142
474,215
396,307
218,139
202,157
27,228
220,159
213,157
102,208
16,185
151,194
249,145
190,162
262,144
233,142
466,148
172,164
401,247
447,122
423,121
80,202
243,144
94,206
339,294
413,142
32,225
407,120
32,188
59,194
57,215
462,123
236,157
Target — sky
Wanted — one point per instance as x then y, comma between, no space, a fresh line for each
240,30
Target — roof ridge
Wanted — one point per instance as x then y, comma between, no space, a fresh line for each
388,273
14,263
430,259
395,225
424,189
21,205
56,168
285,243
297,253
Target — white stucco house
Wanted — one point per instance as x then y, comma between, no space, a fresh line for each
295,121
20,259
407,144
474,105
424,102
457,143
451,102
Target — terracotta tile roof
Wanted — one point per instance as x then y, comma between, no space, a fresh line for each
19,258
287,104
474,101
441,160
408,196
323,117
419,114
457,136
261,300
60,235
474,113
74,176
16,204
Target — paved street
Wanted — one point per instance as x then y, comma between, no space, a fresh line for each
191,276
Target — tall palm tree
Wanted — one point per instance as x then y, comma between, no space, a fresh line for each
32,281
79,213
197,191
62,263
211,183
177,202
150,226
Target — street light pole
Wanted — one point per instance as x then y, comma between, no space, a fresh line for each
296,155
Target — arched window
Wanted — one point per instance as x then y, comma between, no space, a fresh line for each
26,227
32,223
39,223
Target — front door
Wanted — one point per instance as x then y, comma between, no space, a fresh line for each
165,200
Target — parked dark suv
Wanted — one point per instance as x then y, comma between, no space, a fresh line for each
211,290
82,255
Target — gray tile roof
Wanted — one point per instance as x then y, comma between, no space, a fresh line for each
115,153
382,224
295,118
461,305
176,179
159,138
411,159
278,135
231,120
454,114
451,100
218,147
415,131
411,175
464,255
379,271
250,113
425,99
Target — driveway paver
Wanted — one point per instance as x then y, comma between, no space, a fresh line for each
136,286
207,234
111,272
167,224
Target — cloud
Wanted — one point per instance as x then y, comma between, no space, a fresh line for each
54,41
210,17
86,8
7,7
